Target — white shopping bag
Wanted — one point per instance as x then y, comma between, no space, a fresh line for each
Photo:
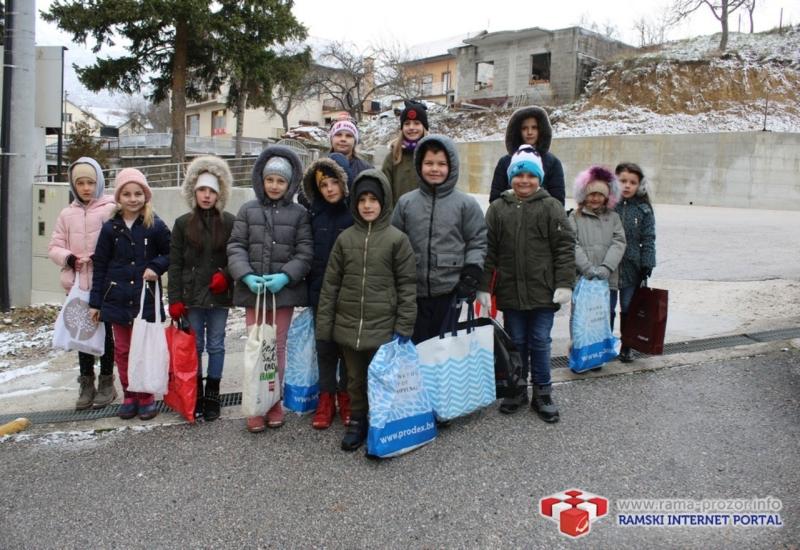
74,329
261,384
148,360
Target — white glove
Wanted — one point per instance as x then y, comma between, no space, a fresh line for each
485,300
562,296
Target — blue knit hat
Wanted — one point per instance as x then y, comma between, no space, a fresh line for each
526,159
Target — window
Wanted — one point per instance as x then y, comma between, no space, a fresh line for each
218,122
445,82
67,117
484,75
193,125
427,84
540,68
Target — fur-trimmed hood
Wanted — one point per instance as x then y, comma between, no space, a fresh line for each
310,188
258,167
514,129
597,173
100,189
452,159
215,166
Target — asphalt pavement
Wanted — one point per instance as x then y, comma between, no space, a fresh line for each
722,429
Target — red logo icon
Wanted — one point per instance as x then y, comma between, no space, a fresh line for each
412,115
574,511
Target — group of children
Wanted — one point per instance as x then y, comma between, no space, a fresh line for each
379,255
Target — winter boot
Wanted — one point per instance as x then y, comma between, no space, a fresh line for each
211,400
542,403
275,416
356,433
199,403
510,405
85,393
343,399
625,354
326,410
106,393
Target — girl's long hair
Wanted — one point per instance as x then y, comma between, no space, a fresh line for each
147,214
195,234
397,146
643,192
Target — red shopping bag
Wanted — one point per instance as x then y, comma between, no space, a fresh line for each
182,390
646,322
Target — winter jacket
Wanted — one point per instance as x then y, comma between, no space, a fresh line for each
553,181
369,291
639,224
120,259
78,226
328,221
446,227
357,165
531,249
402,177
600,241
190,268
272,237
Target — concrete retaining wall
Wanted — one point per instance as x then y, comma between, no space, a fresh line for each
737,170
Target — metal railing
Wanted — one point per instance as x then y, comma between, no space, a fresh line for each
194,144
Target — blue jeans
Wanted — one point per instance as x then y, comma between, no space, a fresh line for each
625,297
209,327
530,332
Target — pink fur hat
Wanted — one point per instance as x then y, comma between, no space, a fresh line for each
598,179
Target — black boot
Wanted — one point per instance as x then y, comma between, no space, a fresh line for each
356,433
211,399
625,354
542,403
510,405
199,401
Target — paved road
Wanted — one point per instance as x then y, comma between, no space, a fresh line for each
725,429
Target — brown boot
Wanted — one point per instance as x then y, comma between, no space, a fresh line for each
85,393
106,393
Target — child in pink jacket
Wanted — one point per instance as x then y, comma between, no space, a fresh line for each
71,247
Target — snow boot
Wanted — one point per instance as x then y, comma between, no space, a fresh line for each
510,405
199,403
106,393
343,399
211,400
356,433
542,403
625,354
326,410
85,393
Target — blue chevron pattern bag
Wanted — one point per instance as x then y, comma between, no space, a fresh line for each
593,343
458,366
400,413
301,385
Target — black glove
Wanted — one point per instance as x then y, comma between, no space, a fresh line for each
71,259
467,286
645,272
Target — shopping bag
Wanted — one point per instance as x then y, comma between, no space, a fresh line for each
593,343
646,321
301,380
261,383
74,329
507,363
400,412
148,360
181,396
457,366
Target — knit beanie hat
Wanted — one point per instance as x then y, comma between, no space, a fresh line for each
415,110
343,126
83,170
207,179
597,187
371,185
526,159
278,166
131,175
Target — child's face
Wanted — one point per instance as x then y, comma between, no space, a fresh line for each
275,187
343,142
132,198
530,131
525,185
369,207
85,188
413,130
629,183
206,197
331,190
595,200
434,167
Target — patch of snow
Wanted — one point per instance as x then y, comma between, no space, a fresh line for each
30,370
20,393
11,342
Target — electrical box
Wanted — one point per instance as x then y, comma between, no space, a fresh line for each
48,201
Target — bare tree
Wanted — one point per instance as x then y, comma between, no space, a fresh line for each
722,9
607,28
290,94
750,6
159,116
653,30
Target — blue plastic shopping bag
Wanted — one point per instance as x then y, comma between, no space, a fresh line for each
301,386
593,343
400,413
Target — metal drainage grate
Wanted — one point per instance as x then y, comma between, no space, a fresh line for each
560,362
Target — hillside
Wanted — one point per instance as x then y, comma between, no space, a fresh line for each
680,87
